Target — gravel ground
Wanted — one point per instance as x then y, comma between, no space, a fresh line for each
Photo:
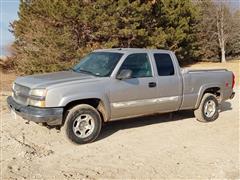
149,147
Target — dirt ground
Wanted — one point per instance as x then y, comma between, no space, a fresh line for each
149,147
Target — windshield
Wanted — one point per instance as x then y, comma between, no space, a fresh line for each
98,63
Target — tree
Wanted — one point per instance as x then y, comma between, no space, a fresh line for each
217,29
222,28
233,45
51,34
43,36
174,26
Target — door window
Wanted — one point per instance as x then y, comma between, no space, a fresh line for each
139,65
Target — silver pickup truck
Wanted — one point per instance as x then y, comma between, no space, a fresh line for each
114,84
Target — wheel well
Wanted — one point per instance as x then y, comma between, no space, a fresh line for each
94,102
213,90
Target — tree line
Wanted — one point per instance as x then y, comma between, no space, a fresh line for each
52,35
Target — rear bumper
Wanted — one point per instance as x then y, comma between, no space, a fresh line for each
51,116
232,95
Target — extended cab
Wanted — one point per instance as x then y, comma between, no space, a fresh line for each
114,84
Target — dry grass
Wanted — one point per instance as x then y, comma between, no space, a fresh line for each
6,80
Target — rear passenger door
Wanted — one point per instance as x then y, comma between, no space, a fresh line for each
169,82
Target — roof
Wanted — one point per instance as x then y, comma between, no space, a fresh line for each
131,50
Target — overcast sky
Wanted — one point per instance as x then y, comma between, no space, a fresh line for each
8,13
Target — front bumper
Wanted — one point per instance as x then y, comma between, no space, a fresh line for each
51,116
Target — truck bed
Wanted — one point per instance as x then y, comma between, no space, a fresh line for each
196,81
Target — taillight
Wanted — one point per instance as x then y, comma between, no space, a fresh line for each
233,80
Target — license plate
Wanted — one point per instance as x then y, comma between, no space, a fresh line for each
13,114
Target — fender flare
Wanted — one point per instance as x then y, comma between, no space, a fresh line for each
203,89
103,107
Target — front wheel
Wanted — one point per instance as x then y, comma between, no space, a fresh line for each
83,124
208,109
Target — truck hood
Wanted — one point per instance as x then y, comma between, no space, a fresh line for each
45,80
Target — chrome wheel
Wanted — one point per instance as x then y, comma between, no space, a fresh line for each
210,108
83,125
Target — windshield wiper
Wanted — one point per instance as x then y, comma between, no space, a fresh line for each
88,72
84,71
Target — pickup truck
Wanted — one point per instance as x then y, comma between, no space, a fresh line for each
115,84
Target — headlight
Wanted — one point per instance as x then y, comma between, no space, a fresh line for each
37,97
37,103
38,92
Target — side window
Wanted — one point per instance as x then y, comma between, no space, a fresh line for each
139,65
164,64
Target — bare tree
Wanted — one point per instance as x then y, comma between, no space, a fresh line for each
220,32
217,28
222,27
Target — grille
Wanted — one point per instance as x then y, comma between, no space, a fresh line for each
20,94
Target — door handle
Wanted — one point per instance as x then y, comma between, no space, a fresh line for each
152,84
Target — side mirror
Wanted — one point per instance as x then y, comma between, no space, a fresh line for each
124,74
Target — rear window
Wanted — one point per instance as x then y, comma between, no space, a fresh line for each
164,64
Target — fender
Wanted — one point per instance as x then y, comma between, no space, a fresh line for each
103,106
203,88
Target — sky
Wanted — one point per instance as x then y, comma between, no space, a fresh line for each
8,13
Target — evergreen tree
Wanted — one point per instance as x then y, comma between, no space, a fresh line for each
43,39
174,27
52,34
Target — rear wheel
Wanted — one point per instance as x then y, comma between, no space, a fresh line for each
83,124
208,109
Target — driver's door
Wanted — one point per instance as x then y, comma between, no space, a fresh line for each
134,96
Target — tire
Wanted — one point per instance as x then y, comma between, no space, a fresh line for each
82,124
208,109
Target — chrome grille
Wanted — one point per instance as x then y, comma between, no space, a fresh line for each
20,94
